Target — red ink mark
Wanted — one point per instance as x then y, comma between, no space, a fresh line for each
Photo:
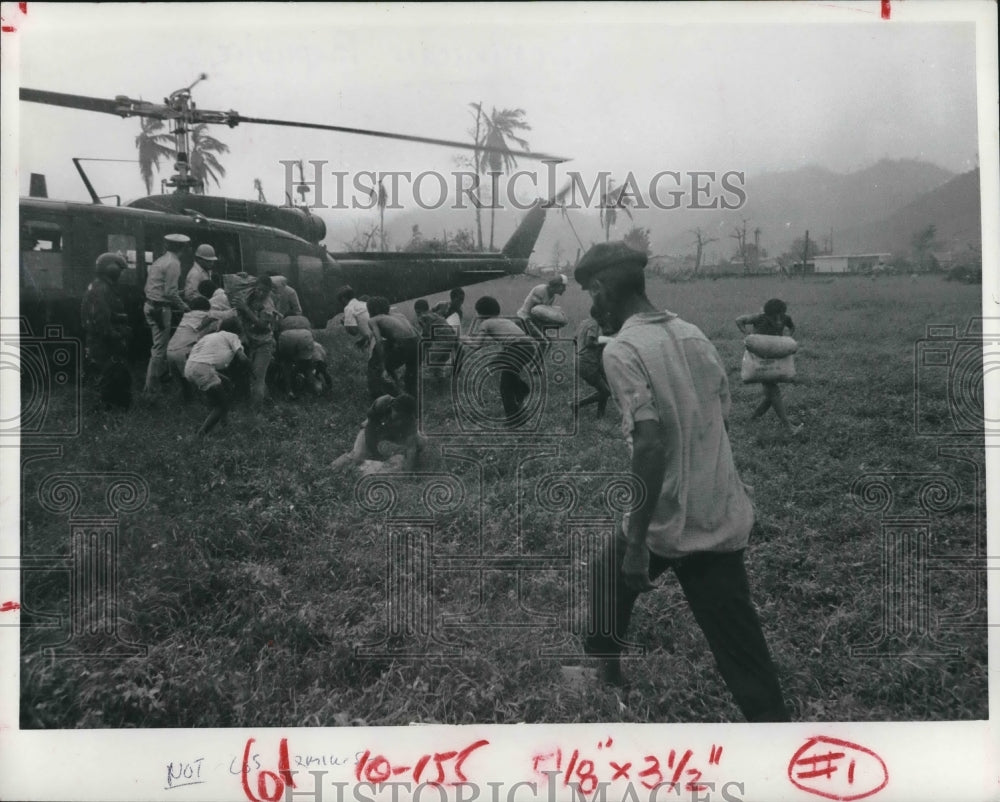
8,29
379,769
823,770
361,765
654,769
463,756
886,9
280,780
620,771
9,607
715,756
572,765
24,8
419,770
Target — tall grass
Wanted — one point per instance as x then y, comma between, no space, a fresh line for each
252,574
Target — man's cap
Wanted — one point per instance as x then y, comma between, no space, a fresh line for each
178,239
108,260
605,255
205,252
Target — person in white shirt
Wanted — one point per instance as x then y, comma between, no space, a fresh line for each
355,317
212,353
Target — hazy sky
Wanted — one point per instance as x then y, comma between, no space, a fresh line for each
618,87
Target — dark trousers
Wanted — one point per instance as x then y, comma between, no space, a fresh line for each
405,354
514,390
716,587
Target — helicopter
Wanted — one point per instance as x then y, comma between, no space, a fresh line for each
60,240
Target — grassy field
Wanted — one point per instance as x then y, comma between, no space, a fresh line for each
252,574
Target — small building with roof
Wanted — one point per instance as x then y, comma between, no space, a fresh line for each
850,263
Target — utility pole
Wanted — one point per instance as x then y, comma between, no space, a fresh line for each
805,254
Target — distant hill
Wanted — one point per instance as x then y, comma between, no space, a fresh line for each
786,204
953,209
782,204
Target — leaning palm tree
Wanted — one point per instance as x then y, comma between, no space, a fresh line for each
613,199
153,144
496,157
205,166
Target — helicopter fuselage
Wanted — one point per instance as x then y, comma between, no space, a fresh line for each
60,241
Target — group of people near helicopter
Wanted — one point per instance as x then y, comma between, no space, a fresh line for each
230,338
668,381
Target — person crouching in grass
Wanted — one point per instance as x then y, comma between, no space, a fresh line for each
389,434
435,328
212,353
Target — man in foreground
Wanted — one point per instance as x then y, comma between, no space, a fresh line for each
695,516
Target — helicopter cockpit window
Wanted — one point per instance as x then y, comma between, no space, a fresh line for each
125,244
41,254
273,261
39,235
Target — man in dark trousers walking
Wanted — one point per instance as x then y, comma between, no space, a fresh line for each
695,515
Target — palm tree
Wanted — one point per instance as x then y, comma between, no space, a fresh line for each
613,199
259,187
153,144
500,128
478,135
205,165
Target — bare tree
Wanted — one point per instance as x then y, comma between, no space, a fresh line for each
700,242
613,199
740,235
381,198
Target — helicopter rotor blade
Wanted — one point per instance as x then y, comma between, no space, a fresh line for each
524,154
70,101
126,107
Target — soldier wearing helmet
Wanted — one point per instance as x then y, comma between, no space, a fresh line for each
202,269
105,322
